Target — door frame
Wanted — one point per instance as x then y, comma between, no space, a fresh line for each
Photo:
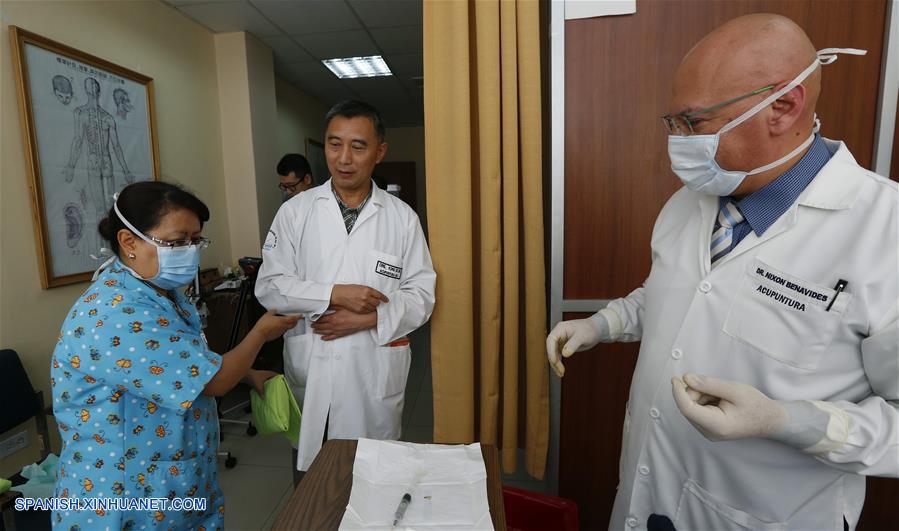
885,127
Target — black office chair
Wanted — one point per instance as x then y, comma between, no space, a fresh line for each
243,315
230,460
20,404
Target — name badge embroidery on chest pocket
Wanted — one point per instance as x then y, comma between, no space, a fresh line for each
387,270
786,290
784,316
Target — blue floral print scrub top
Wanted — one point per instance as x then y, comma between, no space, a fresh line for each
127,375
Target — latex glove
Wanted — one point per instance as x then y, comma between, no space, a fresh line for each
574,336
724,410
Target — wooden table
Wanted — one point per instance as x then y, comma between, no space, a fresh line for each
321,499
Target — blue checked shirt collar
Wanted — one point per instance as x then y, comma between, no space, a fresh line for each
763,207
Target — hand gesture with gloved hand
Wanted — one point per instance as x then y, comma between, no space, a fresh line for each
726,410
723,410
577,335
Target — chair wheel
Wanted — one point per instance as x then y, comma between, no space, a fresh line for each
251,430
230,462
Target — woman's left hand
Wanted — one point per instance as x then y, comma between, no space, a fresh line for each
258,378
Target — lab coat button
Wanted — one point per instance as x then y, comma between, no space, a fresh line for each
677,353
632,522
644,470
705,286
654,413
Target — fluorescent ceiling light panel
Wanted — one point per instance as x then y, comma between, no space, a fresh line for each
351,67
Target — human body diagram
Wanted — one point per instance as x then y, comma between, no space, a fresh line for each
96,126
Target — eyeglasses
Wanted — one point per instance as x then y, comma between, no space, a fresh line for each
289,187
200,242
681,124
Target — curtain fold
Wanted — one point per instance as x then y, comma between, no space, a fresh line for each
483,144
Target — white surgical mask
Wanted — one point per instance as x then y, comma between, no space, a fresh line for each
693,156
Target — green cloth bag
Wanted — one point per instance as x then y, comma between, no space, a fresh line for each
5,484
278,412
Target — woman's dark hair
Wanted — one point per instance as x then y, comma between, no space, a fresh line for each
144,204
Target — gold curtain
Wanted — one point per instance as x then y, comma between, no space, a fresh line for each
485,212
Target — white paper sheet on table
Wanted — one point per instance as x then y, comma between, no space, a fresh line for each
451,494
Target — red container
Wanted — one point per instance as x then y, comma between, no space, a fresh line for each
532,511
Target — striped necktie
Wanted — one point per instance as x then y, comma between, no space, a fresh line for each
722,239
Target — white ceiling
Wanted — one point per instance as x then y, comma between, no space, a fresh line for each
303,32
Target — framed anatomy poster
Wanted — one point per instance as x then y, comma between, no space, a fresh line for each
88,131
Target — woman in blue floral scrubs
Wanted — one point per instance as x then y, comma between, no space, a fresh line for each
133,378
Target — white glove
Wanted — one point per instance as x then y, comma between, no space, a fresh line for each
724,410
575,336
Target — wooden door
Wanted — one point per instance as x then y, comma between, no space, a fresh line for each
401,173
617,178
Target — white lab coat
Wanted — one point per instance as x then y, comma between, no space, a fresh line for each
357,378
731,322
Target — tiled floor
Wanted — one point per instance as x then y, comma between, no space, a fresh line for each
259,486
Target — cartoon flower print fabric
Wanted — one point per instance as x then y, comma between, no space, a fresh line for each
127,375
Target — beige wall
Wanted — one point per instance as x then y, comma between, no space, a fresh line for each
235,108
300,116
145,36
264,112
405,144
250,132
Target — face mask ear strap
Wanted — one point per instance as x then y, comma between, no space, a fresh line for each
110,258
132,228
770,99
825,56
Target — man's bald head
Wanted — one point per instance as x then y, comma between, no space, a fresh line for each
745,54
738,58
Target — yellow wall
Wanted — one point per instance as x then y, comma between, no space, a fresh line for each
148,37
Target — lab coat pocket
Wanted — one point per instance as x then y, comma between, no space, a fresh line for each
393,370
699,509
384,271
297,354
783,316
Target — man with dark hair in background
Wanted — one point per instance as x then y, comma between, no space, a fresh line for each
295,175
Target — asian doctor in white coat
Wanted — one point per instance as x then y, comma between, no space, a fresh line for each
354,261
767,382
